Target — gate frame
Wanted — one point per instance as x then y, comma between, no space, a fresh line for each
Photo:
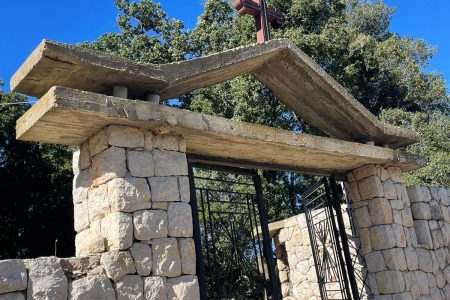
262,212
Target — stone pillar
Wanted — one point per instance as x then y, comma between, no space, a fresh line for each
384,221
131,200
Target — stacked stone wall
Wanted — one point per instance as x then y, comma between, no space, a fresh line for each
133,222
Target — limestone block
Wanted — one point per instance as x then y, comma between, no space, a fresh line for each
81,184
142,256
426,193
365,240
160,205
431,280
440,279
396,174
421,211
184,187
81,158
183,288
375,262
98,203
13,276
12,296
90,241
365,171
397,216
148,139
395,259
91,288
370,187
424,258
167,142
140,163
423,232
125,136
354,192
108,165
396,204
117,264
390,282
442,257
389,189
131,287
382,237
187,254
380,211
180,219
399,234
407,217
443,196
80,265
150,224
438,240
164,189
46,279
435,209
402,194
129,194
155,288
182,145
415,194
81,216
411,259
166,258
362,217
170,163
98,143
117,229
422,281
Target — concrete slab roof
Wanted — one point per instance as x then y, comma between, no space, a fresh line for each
292,76
69,117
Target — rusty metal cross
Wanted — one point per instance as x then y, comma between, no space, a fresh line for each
262,15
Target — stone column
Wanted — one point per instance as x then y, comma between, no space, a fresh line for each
131,200
384,221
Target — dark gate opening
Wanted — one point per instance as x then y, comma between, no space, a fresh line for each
234,250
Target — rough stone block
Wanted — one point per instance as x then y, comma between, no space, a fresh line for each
423,232
167,142
13,276
389,189
46,279
411,259
108,165
90,241
117,264
443,196
91,288
131,287
407,218
399,234
382,237
81,184
396,174
375,262
98,203
354,192
12,296
380,211
422,281
362,217
170,163
142,256
81,216
150,224
98,143
183,288
436,213
188,258
129,194
365,240
155,288
424,258
395,259
160,205
117,229
184,188
125,136
370,187
397,204
390,282
180,219
421,211
148,138
166,258
365,171
415,194
164,189
140,163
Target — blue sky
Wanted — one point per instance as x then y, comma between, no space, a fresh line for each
24,23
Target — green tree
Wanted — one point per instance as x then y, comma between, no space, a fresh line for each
35,181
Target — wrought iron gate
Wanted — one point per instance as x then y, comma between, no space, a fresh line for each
234,251
332,257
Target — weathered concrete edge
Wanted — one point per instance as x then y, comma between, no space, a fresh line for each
145,114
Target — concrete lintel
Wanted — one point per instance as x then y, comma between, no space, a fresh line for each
69,117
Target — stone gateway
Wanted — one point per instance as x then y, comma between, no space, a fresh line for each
137,234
